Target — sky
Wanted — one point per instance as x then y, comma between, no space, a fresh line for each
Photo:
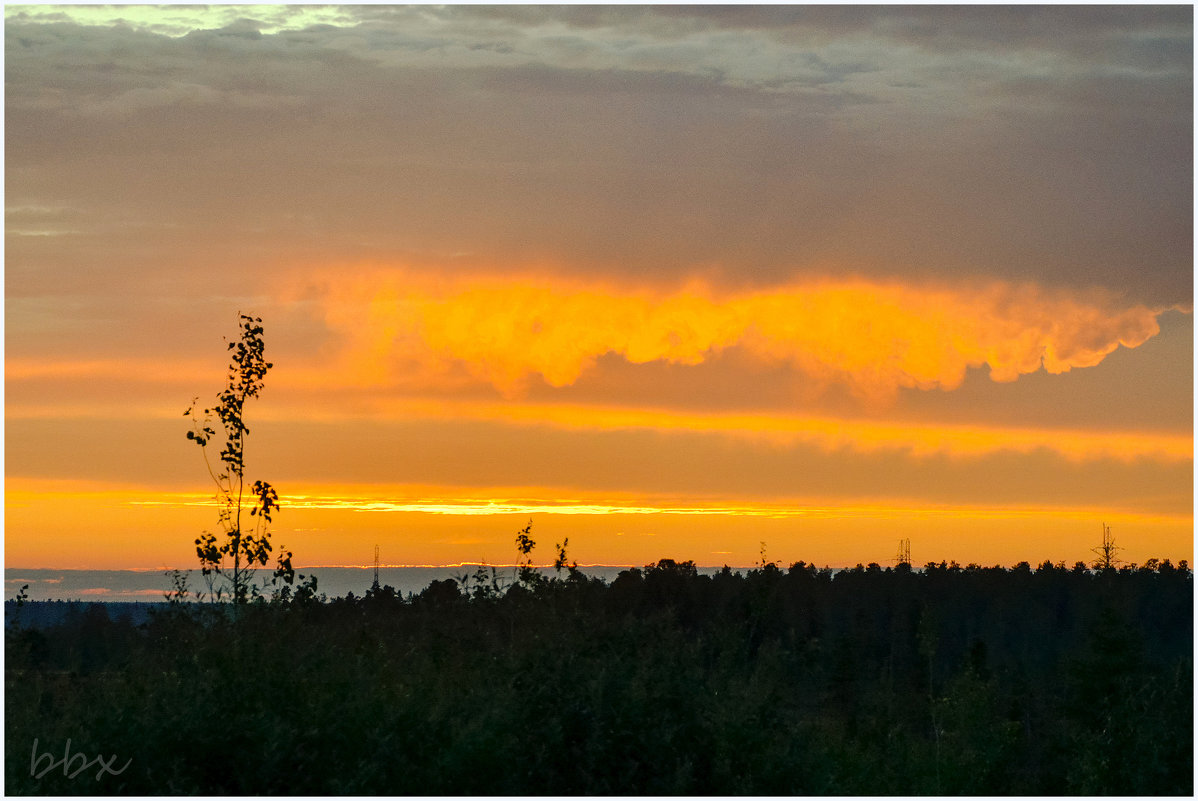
672,282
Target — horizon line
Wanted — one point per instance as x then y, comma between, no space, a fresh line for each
889,562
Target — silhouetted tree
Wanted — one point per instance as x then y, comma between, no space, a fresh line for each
526,575
246,549
440,592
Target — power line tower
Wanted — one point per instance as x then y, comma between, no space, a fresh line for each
1106,552
375,586
904,552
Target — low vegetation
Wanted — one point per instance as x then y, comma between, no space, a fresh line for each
943,680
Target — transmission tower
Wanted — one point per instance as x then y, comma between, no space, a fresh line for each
375,586
1106,552
904,552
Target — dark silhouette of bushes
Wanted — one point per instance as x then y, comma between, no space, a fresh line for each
943,680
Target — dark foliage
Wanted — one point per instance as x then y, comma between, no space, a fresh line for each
945,680
228,561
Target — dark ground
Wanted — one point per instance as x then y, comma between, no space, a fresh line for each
947,680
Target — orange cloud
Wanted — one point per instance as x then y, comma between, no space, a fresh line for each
866,436
874,337
918,439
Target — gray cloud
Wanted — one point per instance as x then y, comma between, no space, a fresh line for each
751,144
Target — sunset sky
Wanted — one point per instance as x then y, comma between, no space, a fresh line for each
669,281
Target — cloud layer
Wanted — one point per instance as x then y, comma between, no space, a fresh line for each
1052,145
876,338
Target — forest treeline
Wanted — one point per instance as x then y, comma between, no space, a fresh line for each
869,681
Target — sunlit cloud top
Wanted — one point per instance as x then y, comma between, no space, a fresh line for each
180,20
876,338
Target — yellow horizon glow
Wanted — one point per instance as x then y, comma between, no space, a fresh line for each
451,525
488,501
